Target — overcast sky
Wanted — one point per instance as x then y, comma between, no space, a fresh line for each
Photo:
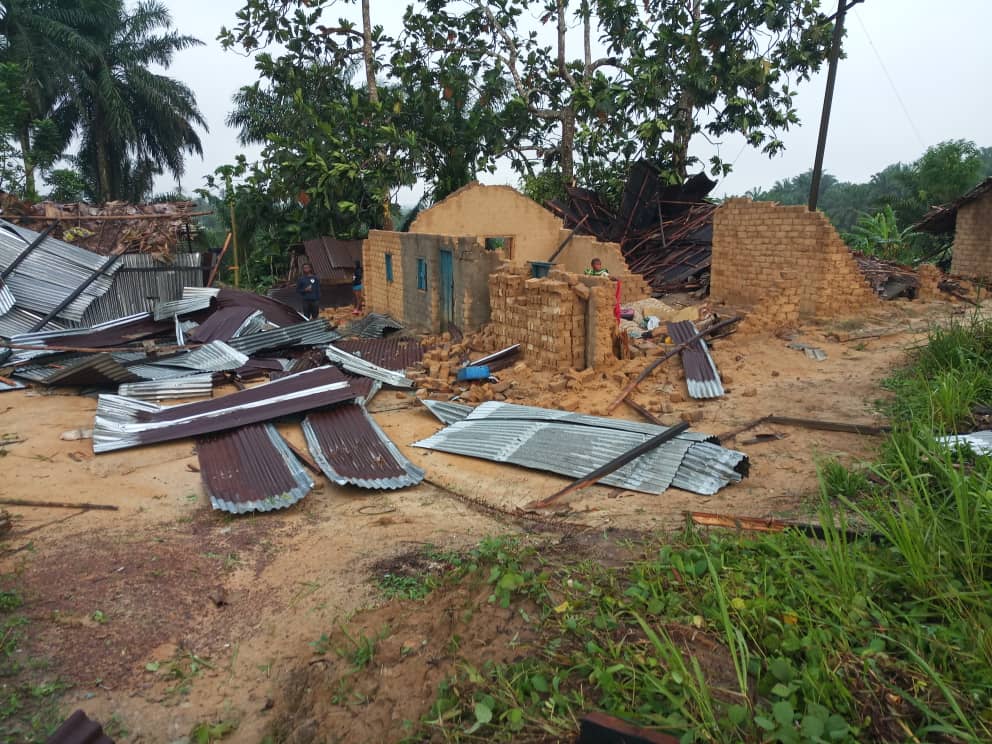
935,57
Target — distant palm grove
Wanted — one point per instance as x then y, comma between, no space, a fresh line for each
76,78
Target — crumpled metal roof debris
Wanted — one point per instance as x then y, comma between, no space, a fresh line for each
213,357
373,325
125,422
52,272
142,281
351,449
228,323
359,366
251,469
575,445
94,369
311,333
701,375
979,441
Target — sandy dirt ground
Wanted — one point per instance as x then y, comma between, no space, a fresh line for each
166,613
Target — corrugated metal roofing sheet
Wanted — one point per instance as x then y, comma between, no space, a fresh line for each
333,258
18,320
52,272
117,332
351,449
141,282
701,375
372,325
312,333
391,353
14,385
6,298
275,312
223,324
213,357
575,445
181,306
251,469
447,413
193,386
359,366
93,369
124,422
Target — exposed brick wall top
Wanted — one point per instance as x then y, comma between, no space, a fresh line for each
767,255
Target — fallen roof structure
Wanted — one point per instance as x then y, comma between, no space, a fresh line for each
251,469
701,375
575,444
351,449
943,218
665,231
45,278
373,325
125,422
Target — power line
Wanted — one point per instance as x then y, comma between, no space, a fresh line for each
888,77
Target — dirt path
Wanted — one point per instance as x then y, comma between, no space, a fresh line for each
165,613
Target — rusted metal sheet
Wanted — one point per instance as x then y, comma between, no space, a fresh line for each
351,449
391,353
125,422
331,258
701,375
274,311
222,325
251,469
78,729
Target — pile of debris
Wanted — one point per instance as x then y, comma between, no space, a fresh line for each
664,231
161,228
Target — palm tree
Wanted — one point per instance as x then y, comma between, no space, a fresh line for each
132,122
44,43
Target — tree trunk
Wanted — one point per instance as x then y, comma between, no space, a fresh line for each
684,117
367,52
567,145
25,140
102,170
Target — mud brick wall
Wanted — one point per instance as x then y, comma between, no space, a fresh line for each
784,257
547,317
582,249
382,296
421,308
971,254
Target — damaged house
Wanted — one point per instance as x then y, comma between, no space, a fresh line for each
969,219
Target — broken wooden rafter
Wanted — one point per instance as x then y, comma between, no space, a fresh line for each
57,504
665,357
768,524
838,426
613,465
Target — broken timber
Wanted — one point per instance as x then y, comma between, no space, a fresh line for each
664,358
56,504
613,465
839,426
767,524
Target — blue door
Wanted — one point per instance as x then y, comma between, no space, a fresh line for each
447,290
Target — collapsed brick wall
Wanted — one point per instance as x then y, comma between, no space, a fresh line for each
786,262
548,318
971,255
582,249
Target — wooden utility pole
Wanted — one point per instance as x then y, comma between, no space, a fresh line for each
828,96
236,266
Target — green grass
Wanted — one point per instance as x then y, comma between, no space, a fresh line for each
728,638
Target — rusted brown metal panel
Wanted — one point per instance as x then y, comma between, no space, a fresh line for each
124,422
221,325
250,469
78,729
351,449
392,353
701,375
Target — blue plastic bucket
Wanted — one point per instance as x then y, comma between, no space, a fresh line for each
539,269
473,373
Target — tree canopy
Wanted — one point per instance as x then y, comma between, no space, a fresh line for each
83,68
